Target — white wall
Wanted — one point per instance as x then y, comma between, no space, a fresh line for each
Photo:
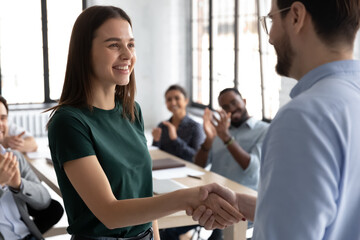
162,30
162,40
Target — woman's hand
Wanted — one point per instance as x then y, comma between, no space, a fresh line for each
245,203
224,213
211,210
156,133
171,130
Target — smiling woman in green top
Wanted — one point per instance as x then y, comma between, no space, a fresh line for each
97,142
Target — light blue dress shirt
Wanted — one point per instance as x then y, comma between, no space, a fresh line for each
249,136
11,225
309,177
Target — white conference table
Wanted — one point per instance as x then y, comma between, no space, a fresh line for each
46,173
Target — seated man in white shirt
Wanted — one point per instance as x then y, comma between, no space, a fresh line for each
15,137
22,195
19,186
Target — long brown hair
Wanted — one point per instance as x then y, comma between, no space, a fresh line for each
77,86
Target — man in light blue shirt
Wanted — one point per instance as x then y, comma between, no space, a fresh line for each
232,145
311,156
233,140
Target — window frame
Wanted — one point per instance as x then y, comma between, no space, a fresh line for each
194,104
44,24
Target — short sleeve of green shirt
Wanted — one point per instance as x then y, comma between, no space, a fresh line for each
69,129
121,149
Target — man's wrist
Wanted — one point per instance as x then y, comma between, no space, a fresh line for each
204,149
229,141
16,189
206,145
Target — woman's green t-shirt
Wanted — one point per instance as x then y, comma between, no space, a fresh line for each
119,145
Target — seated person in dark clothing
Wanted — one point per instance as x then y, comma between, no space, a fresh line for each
180,135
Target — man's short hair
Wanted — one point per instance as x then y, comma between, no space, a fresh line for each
3,100
334,20
230,90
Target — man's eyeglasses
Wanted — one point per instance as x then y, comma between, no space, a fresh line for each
266,21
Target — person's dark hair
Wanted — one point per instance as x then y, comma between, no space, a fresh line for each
3,100
77,86
334,20
230,90
178,88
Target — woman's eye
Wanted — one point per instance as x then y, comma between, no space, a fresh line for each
131,45
114,45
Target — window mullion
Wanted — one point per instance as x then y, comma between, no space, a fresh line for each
45,51
211,48
236,44
257,2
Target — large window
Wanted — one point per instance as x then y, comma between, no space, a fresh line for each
230,50
34,39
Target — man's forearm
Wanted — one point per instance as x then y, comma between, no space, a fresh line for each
247,205
239,154
203,153
30,145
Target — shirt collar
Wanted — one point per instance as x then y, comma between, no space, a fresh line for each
184,120
315,75
250,123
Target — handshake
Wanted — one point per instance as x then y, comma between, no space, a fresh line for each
220,207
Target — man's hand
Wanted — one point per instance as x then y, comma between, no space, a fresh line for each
224,214
14,142
214,210
245,203
222,125
220,212
156,133
171,130
209,127
9,170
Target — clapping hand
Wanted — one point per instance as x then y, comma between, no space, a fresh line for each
171,130
156,133
14,142
209,127
222,124
216,126
9,170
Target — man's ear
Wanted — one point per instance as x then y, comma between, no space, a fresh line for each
244,99
298,14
